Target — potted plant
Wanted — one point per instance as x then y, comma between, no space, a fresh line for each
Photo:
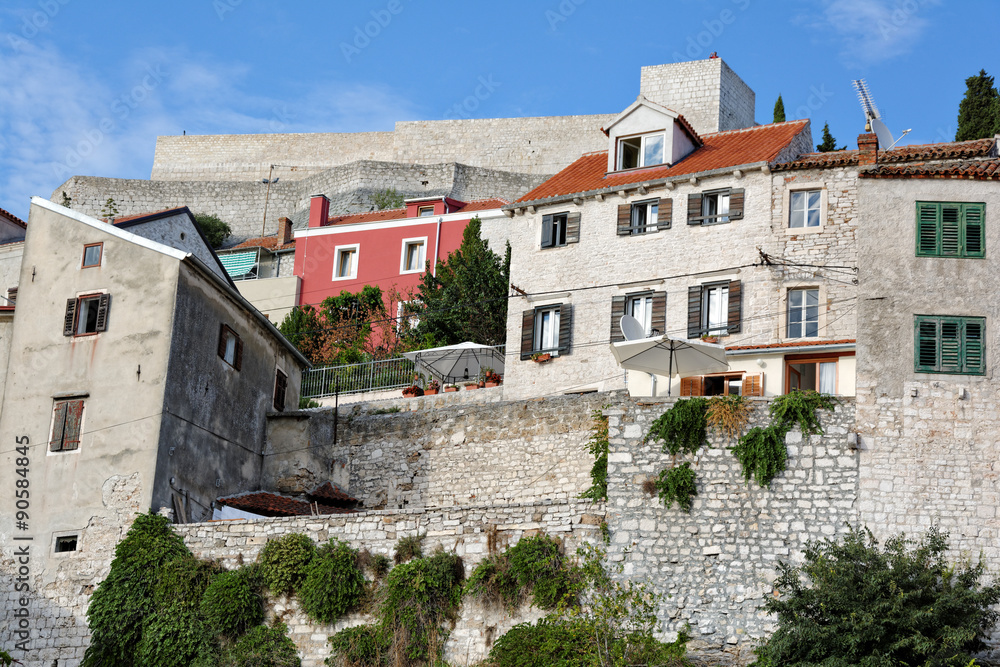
414,389
432,388
493,380
705,338
541,357
450,387
472,385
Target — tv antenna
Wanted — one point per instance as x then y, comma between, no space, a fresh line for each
873,119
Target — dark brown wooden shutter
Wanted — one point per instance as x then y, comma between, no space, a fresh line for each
694,311
102,312
736,204
624,219
11,296
753,385
735,316
573,227
222,340
664,213
565,327
70,318
527,334
694,209
74,416
58,427
238,363
617,311
691,386
658,319
547,231
280,384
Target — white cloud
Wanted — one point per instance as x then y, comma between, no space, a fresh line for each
871,31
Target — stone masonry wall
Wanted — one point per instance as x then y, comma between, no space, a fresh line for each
715,566
707,92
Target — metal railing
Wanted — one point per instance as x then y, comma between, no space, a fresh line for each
358,378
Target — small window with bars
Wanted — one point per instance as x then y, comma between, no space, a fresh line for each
945,344
951,229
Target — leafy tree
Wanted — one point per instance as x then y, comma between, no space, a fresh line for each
346,329
854,603
779,111
829,143
215,229
387,198
979,110
467,299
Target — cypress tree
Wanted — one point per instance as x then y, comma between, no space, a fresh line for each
779,111
979,111
829,143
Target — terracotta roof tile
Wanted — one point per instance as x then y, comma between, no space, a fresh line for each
400,213
266,242
16,220
944,151
811,343
979,170
328,491
720,150
272,504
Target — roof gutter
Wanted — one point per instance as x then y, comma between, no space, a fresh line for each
756,352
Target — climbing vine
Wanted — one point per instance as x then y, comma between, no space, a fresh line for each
799,407
534,566
598,446
677,484
682,427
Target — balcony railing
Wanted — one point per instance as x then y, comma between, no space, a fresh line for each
378,375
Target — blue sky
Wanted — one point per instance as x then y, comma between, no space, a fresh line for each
85,88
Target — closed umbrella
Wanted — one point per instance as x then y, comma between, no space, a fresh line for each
663,355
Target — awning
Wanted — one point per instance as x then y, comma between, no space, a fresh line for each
239,264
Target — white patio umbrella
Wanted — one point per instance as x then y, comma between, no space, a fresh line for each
457,362
663,355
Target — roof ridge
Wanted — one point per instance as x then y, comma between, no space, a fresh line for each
753,128
13,218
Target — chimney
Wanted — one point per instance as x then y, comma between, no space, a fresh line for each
284,231
867,148
319,211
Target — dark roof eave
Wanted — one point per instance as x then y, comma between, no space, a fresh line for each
632,186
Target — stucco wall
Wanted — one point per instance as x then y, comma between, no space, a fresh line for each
275,297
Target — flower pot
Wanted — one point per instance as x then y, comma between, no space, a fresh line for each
447,389
430,392
541,358
709,339
472,386
492,384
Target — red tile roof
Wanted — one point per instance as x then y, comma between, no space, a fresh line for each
400,213
944,151
267,242
811,343
16,220
720,150
272,504
978,170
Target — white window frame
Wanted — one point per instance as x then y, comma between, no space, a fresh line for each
720,328
643,305
787,207
407,243
721,199
356,249
643,138
545,337
804,308
786,300
648,207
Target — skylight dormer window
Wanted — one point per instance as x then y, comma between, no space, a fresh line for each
644,150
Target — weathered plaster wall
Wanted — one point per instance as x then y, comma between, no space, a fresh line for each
10,267
275,297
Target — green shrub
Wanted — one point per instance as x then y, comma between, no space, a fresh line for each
534,565
598,446
799,407
360,646
173,637
262,646
854,603
682,427
677,484
334,583
762,453
284,561
408,548
183,582
123,600
230,606
215,229
377,565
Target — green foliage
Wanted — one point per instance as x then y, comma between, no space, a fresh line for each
173,637
183,582
110,210
284,561
598,446
307,403
263,647
215,229
677,484
779,111
854,603
341,330
829,143
67,201
762,453
979,110
123,600
534,565
387,198
799,407
360,646
230,606
408,548
334,583
467,298
682,427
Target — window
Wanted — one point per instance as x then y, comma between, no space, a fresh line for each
649,308
230,347
642,151
715,309
86,315
280,385
715,206
804,208
425,211
67,415
11,296
803,313
345,262
65,543
723,384
92,255
546,329
559,229
643,217
412,260
945,344
950,229
818,373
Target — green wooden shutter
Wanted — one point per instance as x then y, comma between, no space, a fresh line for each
573,227
527,334
926,343
624,219
951,345
951,230
565,327
928,228
975,358
974,243
694,311
617,311
546,231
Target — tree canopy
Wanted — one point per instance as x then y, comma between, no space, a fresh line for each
779,111
829,143
215,229
341,330
979,110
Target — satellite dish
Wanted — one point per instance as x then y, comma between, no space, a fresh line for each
631,328
873,118
882,132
